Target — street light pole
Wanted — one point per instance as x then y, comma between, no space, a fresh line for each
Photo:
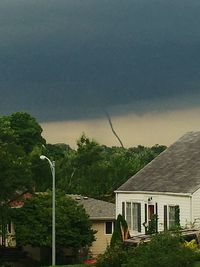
52,166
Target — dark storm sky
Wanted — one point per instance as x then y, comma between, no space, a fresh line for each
70,59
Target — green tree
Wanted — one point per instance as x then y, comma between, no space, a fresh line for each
27,131
7,134
33,222
15,178
97,170
15,174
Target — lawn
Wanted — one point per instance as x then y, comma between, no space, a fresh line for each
78,265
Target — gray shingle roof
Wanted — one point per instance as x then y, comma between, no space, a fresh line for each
96,209
175,170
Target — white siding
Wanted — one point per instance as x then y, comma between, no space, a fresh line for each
184,203
196,208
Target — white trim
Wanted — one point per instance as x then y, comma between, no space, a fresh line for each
154,193
116,205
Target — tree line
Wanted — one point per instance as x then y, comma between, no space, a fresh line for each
92,169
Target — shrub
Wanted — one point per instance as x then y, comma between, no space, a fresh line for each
114,256
152,228
164,250
121,231
194,247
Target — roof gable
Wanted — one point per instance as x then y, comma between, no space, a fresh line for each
175,170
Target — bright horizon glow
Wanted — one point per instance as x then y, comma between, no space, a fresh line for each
148,129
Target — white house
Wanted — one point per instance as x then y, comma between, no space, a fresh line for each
168,186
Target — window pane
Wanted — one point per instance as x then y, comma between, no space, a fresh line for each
108,228
171,217
135,216
128,214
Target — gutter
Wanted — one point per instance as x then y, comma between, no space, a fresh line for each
155,193
102,218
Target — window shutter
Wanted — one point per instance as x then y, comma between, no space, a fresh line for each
165,217
123,209
145,210
139,217
156,217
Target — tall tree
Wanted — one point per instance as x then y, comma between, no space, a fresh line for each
73,228
96,170
15,174
27,130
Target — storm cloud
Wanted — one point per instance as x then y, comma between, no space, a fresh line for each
62,60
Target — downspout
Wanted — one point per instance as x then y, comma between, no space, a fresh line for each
191,209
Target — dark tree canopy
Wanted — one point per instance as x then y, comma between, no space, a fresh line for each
15,174
92,169
27,130
97,170
19,135
33,222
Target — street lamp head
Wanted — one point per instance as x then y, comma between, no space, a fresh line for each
42,157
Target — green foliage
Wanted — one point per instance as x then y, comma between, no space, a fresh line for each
194,247
96,170
33,222
120,232
164,250
93,170
15,174
27,130
115,256
153,224
19,134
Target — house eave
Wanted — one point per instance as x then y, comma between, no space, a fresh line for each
102,218
155,193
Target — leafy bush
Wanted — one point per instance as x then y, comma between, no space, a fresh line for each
115,256
164,250
194,247
152,228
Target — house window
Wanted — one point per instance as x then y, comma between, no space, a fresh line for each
132,213
171,216
174,217
109,228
